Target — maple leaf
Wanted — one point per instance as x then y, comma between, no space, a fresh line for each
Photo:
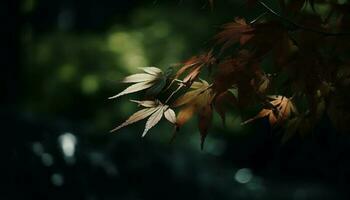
152,78
267,36
261,82
237,31
221,103
298,43
155,110
280,109
197,101
194,66
231,70
238,73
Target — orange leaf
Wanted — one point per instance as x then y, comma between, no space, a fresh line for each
196,101
184,115
280,110
194,66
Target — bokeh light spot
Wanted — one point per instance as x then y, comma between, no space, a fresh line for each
67,72
57,179
68,142
243,175
89,84
129,48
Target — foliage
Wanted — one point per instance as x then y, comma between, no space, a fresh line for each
305,43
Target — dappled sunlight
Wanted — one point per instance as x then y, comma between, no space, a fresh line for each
90,84
129,48
67,72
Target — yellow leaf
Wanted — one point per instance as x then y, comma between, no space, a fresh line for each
284,106
184,115
186,98
281,109
199,93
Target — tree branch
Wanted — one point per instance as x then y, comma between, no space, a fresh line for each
299,26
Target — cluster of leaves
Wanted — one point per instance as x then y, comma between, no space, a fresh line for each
306,52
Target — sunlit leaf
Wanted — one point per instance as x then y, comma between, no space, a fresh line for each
152,70
136,78
139,115
199,88
133,88
153,79
198,101
153,119
194,65
184,115
280,110
154,110
147,104
170,115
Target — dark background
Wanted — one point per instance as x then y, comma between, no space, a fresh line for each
62,59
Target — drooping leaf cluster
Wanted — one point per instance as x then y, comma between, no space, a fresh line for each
307,51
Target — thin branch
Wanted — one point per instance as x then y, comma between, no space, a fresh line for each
299,26
174,92
258,18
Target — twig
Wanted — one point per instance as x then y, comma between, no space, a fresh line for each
258,18
174,92
299,26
